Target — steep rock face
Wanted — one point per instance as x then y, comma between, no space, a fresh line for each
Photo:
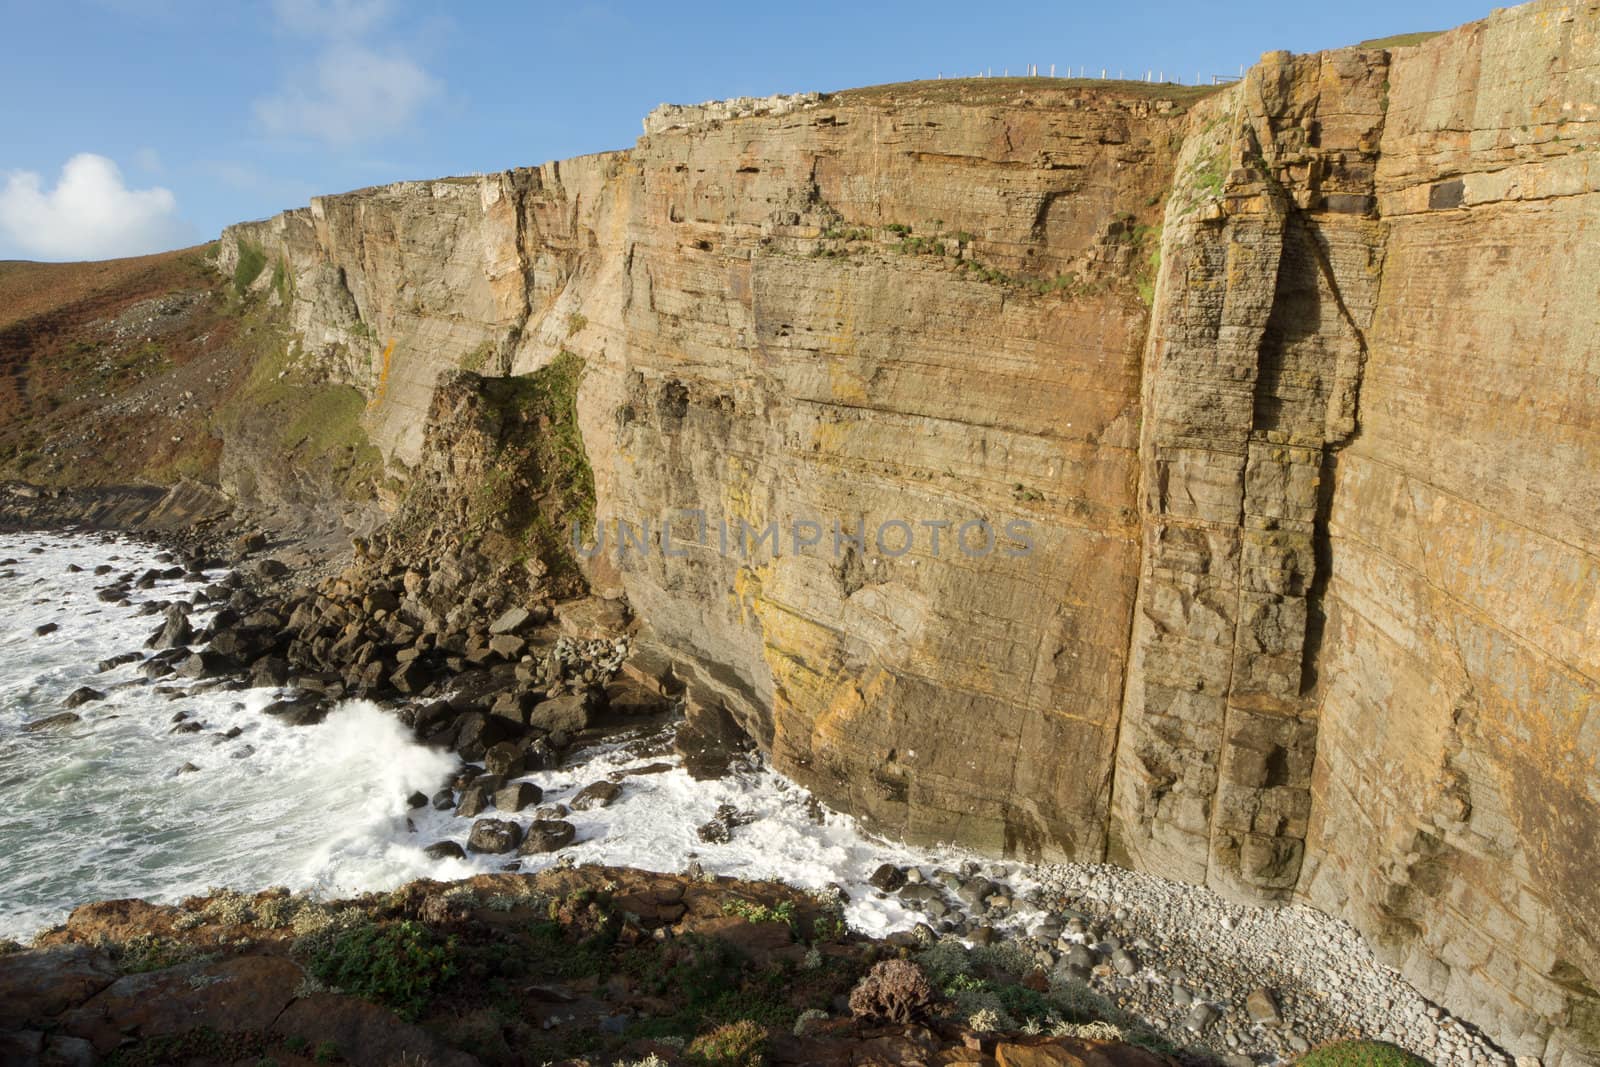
1310,609
1271,270
757,380
1456,803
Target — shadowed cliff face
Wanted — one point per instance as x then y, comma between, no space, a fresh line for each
1292,384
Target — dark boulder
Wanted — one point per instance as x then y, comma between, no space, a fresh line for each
505,759
596,795
569,713
81,696
65,718
548,835
494,836
517,796
473,800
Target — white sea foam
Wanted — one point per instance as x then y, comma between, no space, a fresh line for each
95,811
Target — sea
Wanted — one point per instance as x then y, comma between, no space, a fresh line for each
102,808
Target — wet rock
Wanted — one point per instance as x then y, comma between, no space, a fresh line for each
81,696
46,630
517,796
548,835
477,732
888,878
175,632
444,799
185,768
116,661
52,722
494,836
302,709
714,832
445,850
474,799
505,759
202,665
417,800
269,672
189,727
596,795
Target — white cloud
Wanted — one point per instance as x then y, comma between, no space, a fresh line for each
331,18
90,214
355,94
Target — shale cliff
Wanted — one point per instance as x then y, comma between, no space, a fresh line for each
1279,399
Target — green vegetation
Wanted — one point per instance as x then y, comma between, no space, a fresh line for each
399,965
552,456
1360,1054
282,280
150,953
252,261
1005,90
316,424
740,1044
988,979
1400,40
327,1052
752,912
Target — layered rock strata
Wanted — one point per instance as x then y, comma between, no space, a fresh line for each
1292,386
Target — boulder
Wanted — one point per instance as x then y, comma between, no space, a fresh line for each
445,850
569,713
596,795
1262,1007
46,630
175,632
494,836
513,706
592,618
517,796
548,835
411,678
887,877
507,646
477,732
510,622
474,798
81,696
505,759
714,832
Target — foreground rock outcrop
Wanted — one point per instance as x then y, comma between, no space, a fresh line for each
1277,402
574,966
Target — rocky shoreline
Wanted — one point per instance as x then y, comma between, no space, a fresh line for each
539,683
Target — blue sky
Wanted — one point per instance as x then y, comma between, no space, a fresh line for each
128,126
